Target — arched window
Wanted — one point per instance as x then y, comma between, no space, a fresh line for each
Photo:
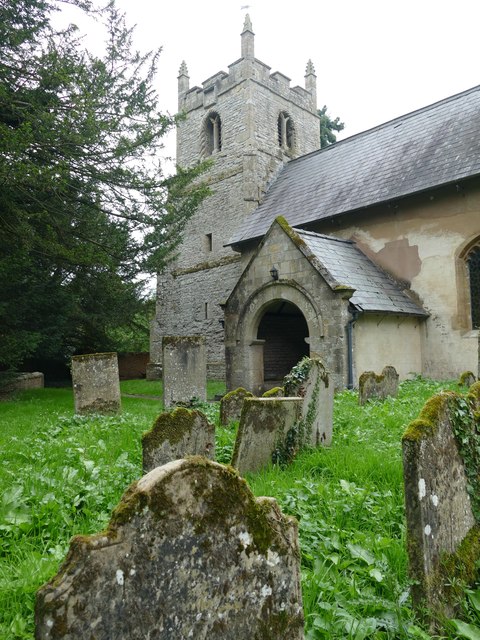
473,263
213,134
286,133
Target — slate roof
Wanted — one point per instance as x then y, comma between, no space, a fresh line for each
433,146
346,265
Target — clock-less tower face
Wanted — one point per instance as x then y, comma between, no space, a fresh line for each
248,122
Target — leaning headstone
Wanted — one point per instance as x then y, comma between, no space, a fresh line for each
267,433
231,405
184,369
175,435
309,380
96,383
441,462
189,553
371,385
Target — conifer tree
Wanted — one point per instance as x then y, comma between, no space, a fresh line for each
84,205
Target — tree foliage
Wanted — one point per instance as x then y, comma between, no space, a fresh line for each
84,205
327,127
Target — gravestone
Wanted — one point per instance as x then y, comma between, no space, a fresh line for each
442,534
266,433
231,405
467,379
310,381
175,435
274,392
371,385
184,369
96,383
189,553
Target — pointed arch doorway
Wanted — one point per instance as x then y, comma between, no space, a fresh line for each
283,330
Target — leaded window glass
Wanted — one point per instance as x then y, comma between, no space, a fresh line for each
474,273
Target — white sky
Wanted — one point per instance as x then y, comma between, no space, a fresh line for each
374,59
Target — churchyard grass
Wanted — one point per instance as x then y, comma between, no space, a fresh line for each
62,474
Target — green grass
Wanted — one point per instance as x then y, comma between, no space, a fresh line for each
62,474
155,387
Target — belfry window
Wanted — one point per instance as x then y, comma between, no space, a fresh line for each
285,131
473,262
213,131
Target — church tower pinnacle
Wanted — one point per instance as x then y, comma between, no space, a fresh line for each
311,83
248,40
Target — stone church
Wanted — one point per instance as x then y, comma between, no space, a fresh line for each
365,253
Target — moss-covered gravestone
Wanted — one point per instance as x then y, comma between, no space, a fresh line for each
274,392
266,433
181,433
466,379
189,553
441,460
96,383
310,381
231,405
371,385
184,369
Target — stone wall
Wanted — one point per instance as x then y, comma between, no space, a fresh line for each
395,339
132,365
26,381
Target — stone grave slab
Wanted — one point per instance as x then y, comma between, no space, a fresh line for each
175,435
96,383
231,405
184,369
310,381
265,432
371,385
189,553
441,527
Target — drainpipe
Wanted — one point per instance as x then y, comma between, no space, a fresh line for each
354,313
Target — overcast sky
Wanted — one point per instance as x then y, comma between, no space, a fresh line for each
374,59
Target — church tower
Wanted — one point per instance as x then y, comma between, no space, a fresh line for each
249,121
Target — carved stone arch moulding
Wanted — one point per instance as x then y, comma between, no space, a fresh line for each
256,304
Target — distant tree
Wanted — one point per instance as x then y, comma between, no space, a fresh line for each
327,127
85,208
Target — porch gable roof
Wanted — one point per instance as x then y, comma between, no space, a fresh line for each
347,266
